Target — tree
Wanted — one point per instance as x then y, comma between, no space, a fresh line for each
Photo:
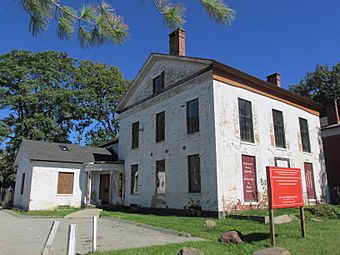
96,24
321,85
102,87
51,97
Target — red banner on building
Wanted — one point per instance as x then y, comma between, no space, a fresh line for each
285,187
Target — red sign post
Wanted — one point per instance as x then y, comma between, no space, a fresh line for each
284,191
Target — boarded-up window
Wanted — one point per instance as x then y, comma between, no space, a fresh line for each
249,178
22,183
135,134
194,174
158,84
65,183
134,179
246,120
309,176
160,126
160,176
279,129
193,116
304,135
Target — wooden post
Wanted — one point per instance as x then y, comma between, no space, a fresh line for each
272,226
50,237
94,234
271,211
72,239
302,221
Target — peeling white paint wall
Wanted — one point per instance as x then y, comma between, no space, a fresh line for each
178,145
230,147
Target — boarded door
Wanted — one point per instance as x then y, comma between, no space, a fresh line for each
309,180
249,178
104,188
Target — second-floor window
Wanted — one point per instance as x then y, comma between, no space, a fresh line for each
192,116
158,84
135,135
160,126
304,135
279,129
246,120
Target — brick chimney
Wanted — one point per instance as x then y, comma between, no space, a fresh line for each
333,112
177,42
274,79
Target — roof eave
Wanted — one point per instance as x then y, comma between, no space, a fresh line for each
222,69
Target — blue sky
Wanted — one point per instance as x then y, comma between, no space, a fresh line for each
268,36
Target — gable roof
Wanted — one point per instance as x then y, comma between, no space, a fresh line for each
52,152
153,57
226,74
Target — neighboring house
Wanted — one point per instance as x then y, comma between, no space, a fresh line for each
50,175
330,133
195,133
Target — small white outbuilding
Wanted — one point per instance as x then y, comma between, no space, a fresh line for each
50,175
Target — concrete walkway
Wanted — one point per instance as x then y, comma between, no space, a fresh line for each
84,214
26,236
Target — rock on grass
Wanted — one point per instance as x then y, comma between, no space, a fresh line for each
190,251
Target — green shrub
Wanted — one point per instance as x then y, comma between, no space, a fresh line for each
325,211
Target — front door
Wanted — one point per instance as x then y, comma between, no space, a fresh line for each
309,180
104,187
249,178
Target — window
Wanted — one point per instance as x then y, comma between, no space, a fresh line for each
22,183
279,129
135,134
160,127
304,135
192,116
246,120
158,84
65,183
160,176
194,174
134,179
282,162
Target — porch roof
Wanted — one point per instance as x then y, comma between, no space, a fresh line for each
104,166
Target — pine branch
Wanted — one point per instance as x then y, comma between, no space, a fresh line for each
218,11
172,14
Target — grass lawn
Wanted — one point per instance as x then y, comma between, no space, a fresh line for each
322,237
59,213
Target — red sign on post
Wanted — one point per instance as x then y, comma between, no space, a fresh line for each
284,191
285,187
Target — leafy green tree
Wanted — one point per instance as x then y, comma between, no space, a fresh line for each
96,24
50,96
36,90
321,85
102,87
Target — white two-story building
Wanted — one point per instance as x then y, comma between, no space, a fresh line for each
197,133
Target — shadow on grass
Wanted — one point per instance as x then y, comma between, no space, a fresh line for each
255,237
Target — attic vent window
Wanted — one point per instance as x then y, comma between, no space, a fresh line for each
63,147
158,84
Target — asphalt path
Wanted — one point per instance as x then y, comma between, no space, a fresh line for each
27,235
